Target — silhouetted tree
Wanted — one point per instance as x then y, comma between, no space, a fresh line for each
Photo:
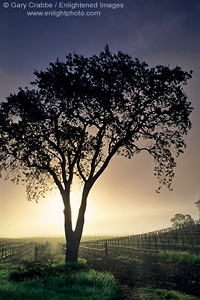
180,220
84,111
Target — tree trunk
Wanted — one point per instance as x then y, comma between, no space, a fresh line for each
72,247
73,238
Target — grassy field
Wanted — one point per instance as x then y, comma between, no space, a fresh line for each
149,276
149,293
184,257
57,281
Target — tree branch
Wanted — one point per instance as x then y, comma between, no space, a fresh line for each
98,146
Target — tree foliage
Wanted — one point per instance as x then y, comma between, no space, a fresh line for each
180,220
84,111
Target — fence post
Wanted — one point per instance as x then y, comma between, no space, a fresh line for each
149,241
36,252
106,248
155,239
2,251
182,236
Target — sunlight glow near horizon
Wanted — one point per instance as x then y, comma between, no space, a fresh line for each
55,208
75,200
119,204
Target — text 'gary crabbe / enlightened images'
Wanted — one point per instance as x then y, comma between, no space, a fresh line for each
61,5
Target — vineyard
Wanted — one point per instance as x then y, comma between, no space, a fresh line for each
136,261
29,248
10,248
183,238
165,259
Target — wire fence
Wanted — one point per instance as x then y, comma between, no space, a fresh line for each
10,249
182,238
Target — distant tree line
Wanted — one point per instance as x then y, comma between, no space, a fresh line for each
184,220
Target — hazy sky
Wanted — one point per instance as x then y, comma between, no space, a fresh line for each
124,199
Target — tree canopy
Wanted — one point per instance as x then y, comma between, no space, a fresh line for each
84,111
180,220
81,112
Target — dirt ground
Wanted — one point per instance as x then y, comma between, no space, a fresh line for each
134,270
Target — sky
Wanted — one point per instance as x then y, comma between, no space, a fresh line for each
124,199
